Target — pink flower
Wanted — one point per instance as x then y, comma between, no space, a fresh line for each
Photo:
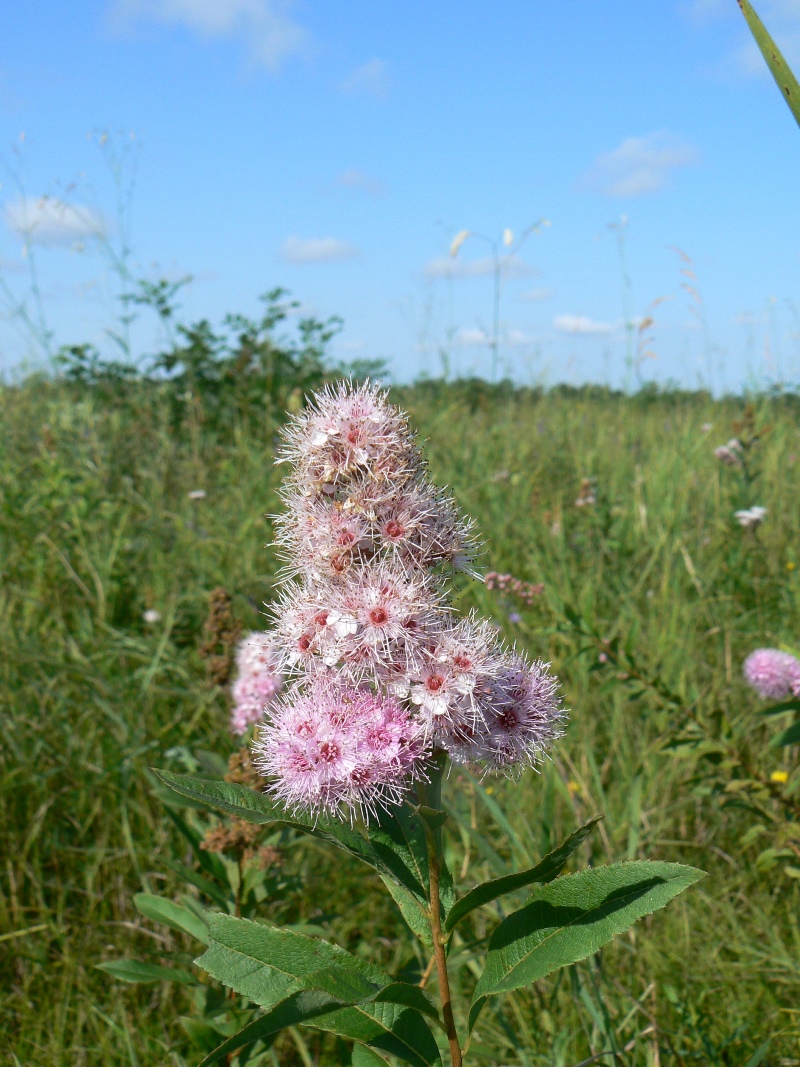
772,673
336,746
384,673
258,680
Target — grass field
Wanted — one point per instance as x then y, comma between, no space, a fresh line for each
664,739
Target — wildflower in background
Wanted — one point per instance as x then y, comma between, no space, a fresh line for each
258,681
750,518
197,494
706,427
151,616
507,583
384,674
731,454
515,617
772,673
586,494
779,777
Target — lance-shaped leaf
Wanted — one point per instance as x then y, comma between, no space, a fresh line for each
177,917
269,965
238,800
135,971
790,736
544,871
571,918
779,68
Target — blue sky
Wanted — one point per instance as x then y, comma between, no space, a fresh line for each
338,148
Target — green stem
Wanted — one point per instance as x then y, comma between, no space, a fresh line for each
430,795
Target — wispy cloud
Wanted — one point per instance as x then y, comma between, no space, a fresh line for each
357,179
581,325
266,27
317,250
371,79
448,267
469,336
638,165
46,220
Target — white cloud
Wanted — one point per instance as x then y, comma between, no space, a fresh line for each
265,26
317,250
533,296
357,179
450,267
581,325
514,337
471,336
46,220
638,165
370,78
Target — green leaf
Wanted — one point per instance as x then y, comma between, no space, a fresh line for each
431,816
398,838
135,971
412,910
161,910
293,1011
571,918
238,800
778,709
269,965
212,891
364,1057
779,68
790,736
545,871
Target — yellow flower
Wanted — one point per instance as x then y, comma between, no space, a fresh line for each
573,786
790,566
779,776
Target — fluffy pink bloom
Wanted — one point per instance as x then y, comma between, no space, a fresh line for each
336,746
258,680
772,673
384,673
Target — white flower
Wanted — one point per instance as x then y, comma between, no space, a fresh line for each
151,616
197,494
751,517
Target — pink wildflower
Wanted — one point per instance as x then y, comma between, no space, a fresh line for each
772,673
258,680
337,746
385,675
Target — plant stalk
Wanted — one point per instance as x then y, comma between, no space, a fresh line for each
430,794
439,951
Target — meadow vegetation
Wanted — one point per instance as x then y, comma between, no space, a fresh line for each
652,596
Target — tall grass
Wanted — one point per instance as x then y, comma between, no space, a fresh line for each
97,527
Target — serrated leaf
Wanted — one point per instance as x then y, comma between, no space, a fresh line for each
571,918
136,971
779,68
177,917
269,965
544,871
790,736
398,838
293,1011
412,910
238,800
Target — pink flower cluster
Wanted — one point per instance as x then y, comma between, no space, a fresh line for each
507,583
385,672
772,673
731,454
258,680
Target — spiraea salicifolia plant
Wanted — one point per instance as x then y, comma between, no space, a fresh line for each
387,688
